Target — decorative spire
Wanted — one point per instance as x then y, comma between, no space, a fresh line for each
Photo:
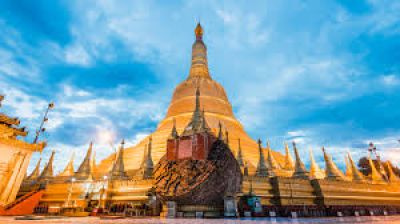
93,165
331,170
393,178
220,135
198,32
226,137
315,171
198,123
300,170
174,132
199,68
355,173
375,175
84,170
271,159
239,156
147,165
48,169
289,164
262,170
348,172
36,172
69,169
118,170
246,169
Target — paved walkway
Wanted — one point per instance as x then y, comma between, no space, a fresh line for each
89,220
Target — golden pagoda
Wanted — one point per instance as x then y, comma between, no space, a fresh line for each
133,178
214,103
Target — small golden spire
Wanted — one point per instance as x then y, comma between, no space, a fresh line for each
289,164
69,169
300,170
315,171
199,31
355,173
271,159
331,170
393,178
375,175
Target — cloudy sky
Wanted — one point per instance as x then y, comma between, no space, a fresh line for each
318,72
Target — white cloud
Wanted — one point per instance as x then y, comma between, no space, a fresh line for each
77,55
390,80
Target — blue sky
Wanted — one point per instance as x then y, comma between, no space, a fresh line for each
318,72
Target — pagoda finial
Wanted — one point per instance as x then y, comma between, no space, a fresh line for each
331,170
239,156
300,170
36,172
315,171
199,68
289,164
355,173
199,31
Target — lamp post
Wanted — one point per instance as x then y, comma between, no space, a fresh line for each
44,120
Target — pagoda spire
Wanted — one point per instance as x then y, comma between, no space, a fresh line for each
246,169
262,169
315,171
300,170
348,172
174,133
199,66
93,165
239,156
393,178
226,137
375,175
198,122
289,164
147,165
84,171
47,171
36,172
118,170
271,159
356,175
331,170
69,169
220,135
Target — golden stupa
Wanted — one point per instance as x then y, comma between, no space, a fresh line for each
215,104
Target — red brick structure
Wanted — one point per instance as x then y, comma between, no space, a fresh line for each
195,142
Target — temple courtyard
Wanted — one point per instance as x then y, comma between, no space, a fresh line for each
362,219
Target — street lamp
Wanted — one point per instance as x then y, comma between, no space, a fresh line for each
44,120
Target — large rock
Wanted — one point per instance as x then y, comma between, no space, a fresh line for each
200,182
